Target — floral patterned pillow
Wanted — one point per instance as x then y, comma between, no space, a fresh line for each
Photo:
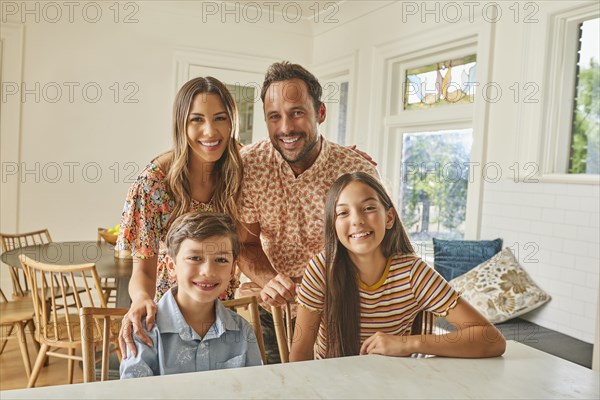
500,289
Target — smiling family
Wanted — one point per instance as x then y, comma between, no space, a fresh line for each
302,217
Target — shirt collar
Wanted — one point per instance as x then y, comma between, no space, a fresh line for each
170,319
321,159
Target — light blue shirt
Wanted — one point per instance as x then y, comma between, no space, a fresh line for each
229,343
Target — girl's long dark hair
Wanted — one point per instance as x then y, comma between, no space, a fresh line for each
342,302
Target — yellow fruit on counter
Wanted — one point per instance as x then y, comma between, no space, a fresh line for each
114,230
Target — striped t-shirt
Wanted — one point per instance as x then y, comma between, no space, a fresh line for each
407,286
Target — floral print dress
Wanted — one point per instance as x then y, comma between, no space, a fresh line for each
144,222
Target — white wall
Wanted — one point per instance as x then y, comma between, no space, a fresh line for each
559,221
555,228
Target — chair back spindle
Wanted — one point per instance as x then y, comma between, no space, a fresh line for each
16,241
250,304
56,322
283,330
103,323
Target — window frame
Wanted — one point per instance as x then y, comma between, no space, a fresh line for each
457,116
342,69
557,110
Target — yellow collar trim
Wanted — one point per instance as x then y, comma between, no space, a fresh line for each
381,280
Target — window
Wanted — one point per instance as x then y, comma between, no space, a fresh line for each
584,157
244,97
337,79
430,124
335,97
435,174
570,117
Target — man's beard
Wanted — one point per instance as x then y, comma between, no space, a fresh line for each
308,147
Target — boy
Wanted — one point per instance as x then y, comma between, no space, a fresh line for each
193,330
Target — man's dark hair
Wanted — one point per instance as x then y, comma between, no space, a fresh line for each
284,71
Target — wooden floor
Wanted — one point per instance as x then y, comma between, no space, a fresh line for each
12,371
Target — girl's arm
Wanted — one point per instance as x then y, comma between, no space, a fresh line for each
305,334
475,337
141,290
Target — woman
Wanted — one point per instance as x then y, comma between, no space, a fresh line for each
203,172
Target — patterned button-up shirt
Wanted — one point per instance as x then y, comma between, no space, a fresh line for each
290,209
229,343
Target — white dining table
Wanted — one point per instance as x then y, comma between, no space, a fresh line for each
522,372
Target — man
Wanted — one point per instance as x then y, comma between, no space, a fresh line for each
286,180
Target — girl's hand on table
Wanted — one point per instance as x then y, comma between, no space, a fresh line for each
387,345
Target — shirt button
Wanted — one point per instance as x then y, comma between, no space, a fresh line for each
203,345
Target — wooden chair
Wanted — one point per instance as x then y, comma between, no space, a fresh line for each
55,326
423,324
249,304
21,287
99,325
16,314
18,240
283,331
109,285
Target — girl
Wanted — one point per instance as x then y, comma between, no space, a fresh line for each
203,172
362,295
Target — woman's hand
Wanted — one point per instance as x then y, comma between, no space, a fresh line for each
362,154
139,308
387,345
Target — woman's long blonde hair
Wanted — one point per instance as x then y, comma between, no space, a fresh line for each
228,169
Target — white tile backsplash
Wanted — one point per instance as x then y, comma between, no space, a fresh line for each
553,215
583,190
585,294
580,218
575,247
586,264
564,231
586,234
555,229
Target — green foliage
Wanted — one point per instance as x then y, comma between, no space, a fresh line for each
435,175
586,122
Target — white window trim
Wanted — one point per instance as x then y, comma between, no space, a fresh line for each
545,132
11,65
478,37
343,68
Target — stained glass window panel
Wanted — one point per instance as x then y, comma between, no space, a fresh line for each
448,82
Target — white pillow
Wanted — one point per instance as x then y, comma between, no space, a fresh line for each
500,289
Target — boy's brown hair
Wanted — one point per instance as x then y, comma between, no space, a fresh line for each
200,227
